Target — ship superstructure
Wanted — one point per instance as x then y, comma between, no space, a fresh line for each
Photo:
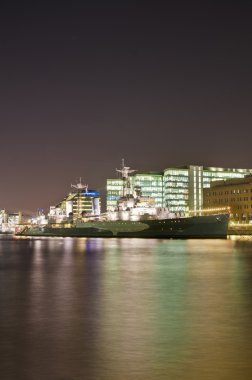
132,205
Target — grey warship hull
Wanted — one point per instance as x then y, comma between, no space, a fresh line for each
208,226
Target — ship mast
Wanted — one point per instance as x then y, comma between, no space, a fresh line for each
125,171
80,187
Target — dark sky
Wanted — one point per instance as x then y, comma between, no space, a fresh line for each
86,83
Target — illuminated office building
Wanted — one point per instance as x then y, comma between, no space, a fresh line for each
9,221
151,185
114,192
183,186
87,202
76,205
178,188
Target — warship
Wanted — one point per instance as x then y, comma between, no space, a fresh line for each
136,216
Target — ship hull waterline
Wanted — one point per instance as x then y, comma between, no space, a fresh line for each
200,227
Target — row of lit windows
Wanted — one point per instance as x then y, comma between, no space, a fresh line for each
176,178
238,199
223,175
176,172
176,184
182,190
178,208
151,190
117,182
152,195
141,177
148,180
115,197
228,200
243,207
177,196
176,202
114,187
147,191
149,184
237,191
226,170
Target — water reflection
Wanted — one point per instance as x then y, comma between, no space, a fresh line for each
125,309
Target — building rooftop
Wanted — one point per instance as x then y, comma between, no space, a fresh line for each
232,181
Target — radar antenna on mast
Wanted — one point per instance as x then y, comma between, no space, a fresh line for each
80,186
125,171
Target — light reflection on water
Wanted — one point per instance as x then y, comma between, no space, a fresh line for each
125,309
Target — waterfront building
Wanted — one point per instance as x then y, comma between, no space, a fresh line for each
183,186
87,202
9,221
114,192
178,188
235,193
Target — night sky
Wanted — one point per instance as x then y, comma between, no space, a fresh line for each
87,83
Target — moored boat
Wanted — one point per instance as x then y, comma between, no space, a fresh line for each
136,216
207,226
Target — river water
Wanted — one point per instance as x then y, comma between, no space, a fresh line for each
125,309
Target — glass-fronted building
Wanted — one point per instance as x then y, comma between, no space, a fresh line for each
114,192
183,186
176,189
151,185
